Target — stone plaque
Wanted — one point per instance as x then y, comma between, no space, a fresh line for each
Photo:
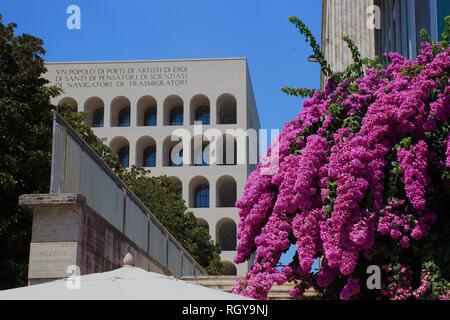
136,76
51,259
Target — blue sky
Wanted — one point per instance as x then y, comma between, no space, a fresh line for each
137,29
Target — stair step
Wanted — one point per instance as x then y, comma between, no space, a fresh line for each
226,284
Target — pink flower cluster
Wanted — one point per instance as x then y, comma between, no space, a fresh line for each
328,196
447,152
400,289
414,168
424,286
350,289
404,226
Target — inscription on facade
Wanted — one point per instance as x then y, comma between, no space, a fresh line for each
51,259
120,77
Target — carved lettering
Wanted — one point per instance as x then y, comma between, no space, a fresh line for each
115,77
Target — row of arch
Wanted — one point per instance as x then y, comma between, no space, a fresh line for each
147,109
224,151
199,191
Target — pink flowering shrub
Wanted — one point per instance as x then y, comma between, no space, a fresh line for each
363,179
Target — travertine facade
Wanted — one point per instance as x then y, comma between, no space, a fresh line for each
143,103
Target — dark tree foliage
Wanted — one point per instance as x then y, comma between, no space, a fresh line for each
25,128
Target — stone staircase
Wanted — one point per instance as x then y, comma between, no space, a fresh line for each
226,283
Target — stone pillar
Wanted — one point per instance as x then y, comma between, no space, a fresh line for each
67,232
54,235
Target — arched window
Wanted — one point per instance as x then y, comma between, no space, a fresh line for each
176,185
124,117
92,105
229,153
146,111
70,101
230,268
202,196
97,120
226,150
150,117
202,158
149,157
176,116
124,155
202,114
172,152
226,234
226,192
177,160
228,116
203,223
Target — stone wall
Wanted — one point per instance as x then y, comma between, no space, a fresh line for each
66,231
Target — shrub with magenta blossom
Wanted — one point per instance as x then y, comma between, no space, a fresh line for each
363,179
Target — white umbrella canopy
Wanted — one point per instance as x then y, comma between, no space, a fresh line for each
126,283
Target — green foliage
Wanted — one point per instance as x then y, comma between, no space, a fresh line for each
353,123
356,67
430,254
373,63
303,29
298,92
25,146
412,71
25,128
446,33
330,198
77,121
424,35
353,71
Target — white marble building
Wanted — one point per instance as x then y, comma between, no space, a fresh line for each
138,105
